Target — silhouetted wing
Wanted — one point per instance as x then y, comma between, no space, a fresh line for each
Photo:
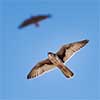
40,68
68,50
42,17
26,23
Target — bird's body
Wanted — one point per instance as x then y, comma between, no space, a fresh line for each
34,20
57,60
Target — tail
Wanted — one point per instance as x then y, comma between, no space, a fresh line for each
66,71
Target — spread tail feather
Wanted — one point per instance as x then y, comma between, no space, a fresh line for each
66,71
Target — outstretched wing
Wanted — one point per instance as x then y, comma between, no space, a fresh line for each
26,22
42,17
68,50
40,68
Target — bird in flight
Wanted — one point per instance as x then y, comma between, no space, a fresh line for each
34,20
57,60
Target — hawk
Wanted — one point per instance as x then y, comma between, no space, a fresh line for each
57,60
34,20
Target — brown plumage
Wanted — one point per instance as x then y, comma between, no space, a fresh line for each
34,20
57,60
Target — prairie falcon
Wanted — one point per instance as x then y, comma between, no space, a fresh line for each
57,60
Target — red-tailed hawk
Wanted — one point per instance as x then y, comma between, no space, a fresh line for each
34,20
57,60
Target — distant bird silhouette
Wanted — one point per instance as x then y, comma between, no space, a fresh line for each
57,59
34,20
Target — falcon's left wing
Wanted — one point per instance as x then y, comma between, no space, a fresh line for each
68,50
40,68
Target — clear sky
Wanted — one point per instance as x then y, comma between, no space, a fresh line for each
21,49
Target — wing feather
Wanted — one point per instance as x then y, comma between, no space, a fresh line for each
67,51
26,23
40,68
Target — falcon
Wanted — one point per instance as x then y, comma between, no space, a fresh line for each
34,20
57,60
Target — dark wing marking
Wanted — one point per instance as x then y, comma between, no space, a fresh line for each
40,68
68,50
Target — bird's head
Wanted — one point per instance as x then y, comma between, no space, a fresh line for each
50,54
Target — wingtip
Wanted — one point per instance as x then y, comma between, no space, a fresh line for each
28,77
49,15
85,41
20,27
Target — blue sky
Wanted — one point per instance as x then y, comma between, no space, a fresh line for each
72,20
